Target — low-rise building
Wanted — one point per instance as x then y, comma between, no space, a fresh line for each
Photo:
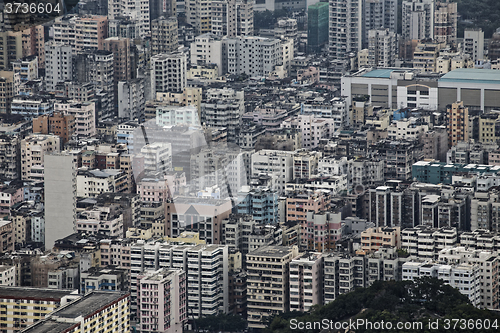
103,278
373,239
101,220
91,183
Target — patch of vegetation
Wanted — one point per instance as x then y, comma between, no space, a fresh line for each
267,19
425,300
222,322
484,14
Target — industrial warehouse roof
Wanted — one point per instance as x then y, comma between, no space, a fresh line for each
380,73
472,75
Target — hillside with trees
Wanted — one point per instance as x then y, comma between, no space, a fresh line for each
484,14
424,300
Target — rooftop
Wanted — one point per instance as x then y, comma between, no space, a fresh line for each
161,274
33,293
276,251
472,75
5,268
379,73
89,304
98,271
49,326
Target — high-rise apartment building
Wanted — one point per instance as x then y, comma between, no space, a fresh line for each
198,14
165,8
487,262
36,303
12,46
254,56
27,68
317,26
102,278
276,163
8,277
124,61
161,301
33,150
55,123
244,17
111,309
345,27
378,14
123,58
168,72
457,123
164,35
137,10
232,18
223,108
157,157
99,220
34,44
382,48
426,242
9,156
207,289
223,18
474,43
320,231
445,22
181,211
97,67
86,32
306,281
9,85
84,114
169,115
58,64
207,49
418,19
123,27
60,197
261,204
268,286
464,277
131,99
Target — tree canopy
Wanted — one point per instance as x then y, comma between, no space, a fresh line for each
222,322
425,300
